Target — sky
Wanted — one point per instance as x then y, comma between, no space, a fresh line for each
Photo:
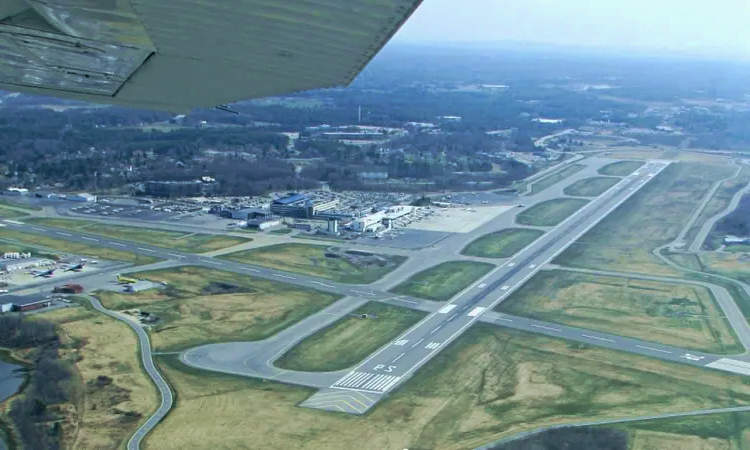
698,27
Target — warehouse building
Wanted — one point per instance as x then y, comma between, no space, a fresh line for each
82,197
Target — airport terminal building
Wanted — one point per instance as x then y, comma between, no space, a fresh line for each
301,206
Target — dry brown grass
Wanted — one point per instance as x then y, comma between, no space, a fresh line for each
103,347
489,384
192,316
652,217
654,440
683,315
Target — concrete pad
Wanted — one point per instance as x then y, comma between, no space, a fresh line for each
459,220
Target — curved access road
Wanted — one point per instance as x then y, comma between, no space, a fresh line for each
701,206
148,364
700,238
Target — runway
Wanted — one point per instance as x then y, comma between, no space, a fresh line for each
397,361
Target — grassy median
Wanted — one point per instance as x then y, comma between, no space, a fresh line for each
444,281
556,177
550,212
502,244
621,168
178,240
350,339
591,187
489,384
320,261
682,315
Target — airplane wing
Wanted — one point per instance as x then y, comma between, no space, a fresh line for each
179,54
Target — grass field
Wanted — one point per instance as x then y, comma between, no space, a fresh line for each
621,168
350,339
556,177
11,213
590,187
202,306
444,281
489,384
117,396
732,265
320,261
674,314
187,242
33,240
550,212
19,206
652,217
502,244
726,431
717,204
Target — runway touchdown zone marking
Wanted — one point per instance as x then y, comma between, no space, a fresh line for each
401,343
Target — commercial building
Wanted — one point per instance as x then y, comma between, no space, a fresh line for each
298,205
82,197
333,226
205,187
376,220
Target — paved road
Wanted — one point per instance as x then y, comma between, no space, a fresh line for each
706,228
148,364
680,240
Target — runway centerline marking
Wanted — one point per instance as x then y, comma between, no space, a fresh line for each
597,338
322,284
37,229
284,276
652,349
250,270
176,256
546,328
117,244
89,239
146,249
399,357
418,342
63,234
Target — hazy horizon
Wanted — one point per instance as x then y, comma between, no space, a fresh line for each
704,29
